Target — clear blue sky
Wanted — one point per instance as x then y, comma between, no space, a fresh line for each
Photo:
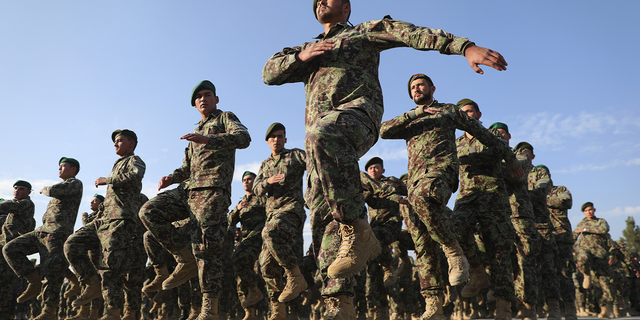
71,72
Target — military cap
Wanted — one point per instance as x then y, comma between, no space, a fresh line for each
586,205
524,145
499,125
274,127
22,183
248,173
415,77
372,161
543,166
72,161
99,196
203,85
467,101
125,132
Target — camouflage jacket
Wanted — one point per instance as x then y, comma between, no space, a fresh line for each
86,219
252,217
594,239
517,190
211,165
286,195
347,77
539,184
62,210
124,185
19,218
431,142
559,201
382,199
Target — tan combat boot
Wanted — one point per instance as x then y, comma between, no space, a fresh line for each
312,296
92,290
390,278
33,288
295,284
586,282
82,314
75,285
278,310
209,309
503,309
186,269
358,246
48,313
528,312
339,308
156,284
616,310
554,310
610,312
254,296
130,314
194,311
478,281
433,308
250,313
111,314
458,264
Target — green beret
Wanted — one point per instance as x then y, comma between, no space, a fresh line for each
372,161
465,102
248,173
72,161
99,196
499,125
274,127
543,166
125,132
22,183
524,145
203,85
585,205
415,77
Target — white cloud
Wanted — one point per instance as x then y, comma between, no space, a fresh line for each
241,168
592,167
620,211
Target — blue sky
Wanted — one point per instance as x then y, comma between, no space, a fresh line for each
71,72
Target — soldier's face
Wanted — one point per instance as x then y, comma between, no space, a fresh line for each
505,135
589,212
95,202
65,171
206,102
276,141
20,192
247,182
375,171
332,11
124,145
471,111
421,91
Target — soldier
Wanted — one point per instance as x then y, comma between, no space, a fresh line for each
115,234
280,180
343,114
48,240
429,130
96,209
593,254
19,220
208,166
251,214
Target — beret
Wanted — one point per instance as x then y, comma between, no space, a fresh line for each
585,205
372,161
203,85
274,127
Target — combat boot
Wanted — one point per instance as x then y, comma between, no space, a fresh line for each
570,311
339,308
358,246
528,311
162,315
194,311
75,285
254,296
92,290
503,309
610,312
33,288
156,284
478,281
458,264
82,314
554,309
48,313
295,284
586,282
389,278
381,313
616,309
278,310
209,309
432,308
186,269
582,313
250,313
312,296
130,314
111,314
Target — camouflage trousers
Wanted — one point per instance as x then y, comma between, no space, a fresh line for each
52,261
244,258
491,212
376,292
282,247
566,266
333,144
527,247
161,214
7,277
599,270
547,273
428,198
122,259
158,255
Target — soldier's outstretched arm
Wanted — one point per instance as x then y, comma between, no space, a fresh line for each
478,55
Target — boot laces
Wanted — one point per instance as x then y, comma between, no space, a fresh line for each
346,246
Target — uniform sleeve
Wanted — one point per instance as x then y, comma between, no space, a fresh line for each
395,128
12,206
135,173
560,198
541,184
236,135
598,227
184,172
234,215
260,185
66,188
283,67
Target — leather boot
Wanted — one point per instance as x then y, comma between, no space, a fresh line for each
250,313
570,311
82,314
433,308
278,311
111,314
156,284
603,312
295,284
478,281
186,269
339,308
554,309
48,313
92,290
503,309
616,309
209,309
610,312
458,264
254,296
582,313
528,311
33,288
194,311
75,285
358,246
389,277
130,314
312,296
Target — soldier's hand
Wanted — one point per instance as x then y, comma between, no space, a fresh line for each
478,55
195,137
319,48
275,178
432,110
243,204
165,182
101,181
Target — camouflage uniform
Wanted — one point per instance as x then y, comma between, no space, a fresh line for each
252,218
559,201
593,253
116,234
483,200
48,240
344,110
19,220
283,244
86,219
209,169
433,176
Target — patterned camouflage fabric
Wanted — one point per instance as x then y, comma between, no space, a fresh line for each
282,244
86,219
559,201
593,252
167,217
48,239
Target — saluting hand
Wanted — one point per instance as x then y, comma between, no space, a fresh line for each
275,178
316,49
195,137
